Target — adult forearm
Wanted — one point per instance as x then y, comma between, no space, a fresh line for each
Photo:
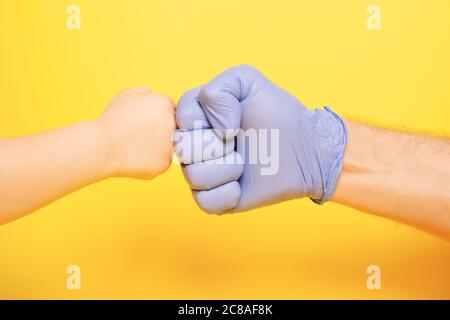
397,175
38,169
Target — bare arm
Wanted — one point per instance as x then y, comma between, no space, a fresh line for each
38,169
398,175
132,138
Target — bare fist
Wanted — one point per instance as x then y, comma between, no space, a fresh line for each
138,127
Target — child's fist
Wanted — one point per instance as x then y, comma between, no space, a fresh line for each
138,127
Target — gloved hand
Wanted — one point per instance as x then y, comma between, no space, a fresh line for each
297,152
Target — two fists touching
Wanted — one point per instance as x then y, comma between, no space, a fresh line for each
243,141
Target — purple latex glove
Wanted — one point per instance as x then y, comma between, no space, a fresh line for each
273,148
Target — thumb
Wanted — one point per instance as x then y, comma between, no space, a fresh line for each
221,98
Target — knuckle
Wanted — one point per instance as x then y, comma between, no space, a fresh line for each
163,100
209,94
165,163
196,184
188,95
206,208
246,68
184,115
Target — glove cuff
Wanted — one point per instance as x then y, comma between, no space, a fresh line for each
331,145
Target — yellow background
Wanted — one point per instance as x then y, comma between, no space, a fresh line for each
140,239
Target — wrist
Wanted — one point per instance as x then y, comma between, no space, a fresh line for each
104,155
360,161
331,138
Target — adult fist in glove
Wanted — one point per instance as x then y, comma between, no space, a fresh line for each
244,143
